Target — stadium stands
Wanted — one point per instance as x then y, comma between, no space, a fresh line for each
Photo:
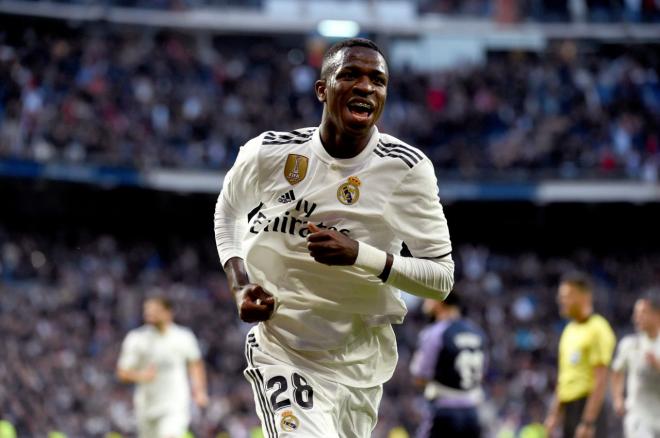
66,305
153,100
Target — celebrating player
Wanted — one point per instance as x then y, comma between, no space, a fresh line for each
316,262
155,357
449,364
638,356
585,352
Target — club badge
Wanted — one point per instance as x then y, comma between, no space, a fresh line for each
349,192
295,168
289,421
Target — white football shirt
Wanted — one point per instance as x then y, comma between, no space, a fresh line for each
170,352
334,319
642,380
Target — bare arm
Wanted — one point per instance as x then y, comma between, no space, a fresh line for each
254,302
618,386
554,417
594,403
136,376
198,382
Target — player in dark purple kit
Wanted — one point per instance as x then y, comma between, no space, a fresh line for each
449,364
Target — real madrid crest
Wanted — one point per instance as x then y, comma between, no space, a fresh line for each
349,192
289,422
295,168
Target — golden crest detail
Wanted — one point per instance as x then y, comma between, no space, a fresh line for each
289,422
295,168
349,192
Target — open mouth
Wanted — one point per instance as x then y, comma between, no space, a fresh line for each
360,110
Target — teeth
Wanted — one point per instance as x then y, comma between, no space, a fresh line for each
361,105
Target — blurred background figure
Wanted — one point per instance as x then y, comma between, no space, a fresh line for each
449,365
585,352
158,357
636,372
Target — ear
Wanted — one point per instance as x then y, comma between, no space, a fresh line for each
319,88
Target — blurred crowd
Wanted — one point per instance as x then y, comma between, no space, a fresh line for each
66,304
599,11
149,99
504,10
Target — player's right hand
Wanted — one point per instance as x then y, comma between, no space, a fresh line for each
619,406
550,424
148,374
256,304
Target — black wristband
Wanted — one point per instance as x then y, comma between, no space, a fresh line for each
388,267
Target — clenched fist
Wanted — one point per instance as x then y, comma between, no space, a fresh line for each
255,303
331,247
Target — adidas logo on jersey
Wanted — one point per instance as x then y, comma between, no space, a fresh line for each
287,197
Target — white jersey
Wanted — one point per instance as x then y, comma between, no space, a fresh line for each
642,381
170,353
334,319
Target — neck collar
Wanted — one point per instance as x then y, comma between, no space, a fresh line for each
323,155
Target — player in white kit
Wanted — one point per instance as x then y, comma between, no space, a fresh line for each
309,225
158,357
638,358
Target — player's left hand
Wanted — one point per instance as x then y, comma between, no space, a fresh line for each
584,431
201,399
331,247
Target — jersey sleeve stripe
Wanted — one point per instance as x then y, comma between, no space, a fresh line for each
404,146
276,142
286,137
400,148
400,151
394,155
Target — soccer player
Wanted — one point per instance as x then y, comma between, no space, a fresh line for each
309,225
449,364
157,357
585,352
638,356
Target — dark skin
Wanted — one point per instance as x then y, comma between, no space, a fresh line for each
353,94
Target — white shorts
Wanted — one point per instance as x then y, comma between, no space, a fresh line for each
634,426
292,402
166,426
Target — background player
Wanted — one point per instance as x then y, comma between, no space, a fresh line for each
449,364
585,352
157,357
638,358
331,206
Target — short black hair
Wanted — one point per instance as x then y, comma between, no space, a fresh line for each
163,301
344,44
652,296
579,280
453,299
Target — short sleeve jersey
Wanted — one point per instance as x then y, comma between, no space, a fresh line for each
642,379
582,347
384,196
169,352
